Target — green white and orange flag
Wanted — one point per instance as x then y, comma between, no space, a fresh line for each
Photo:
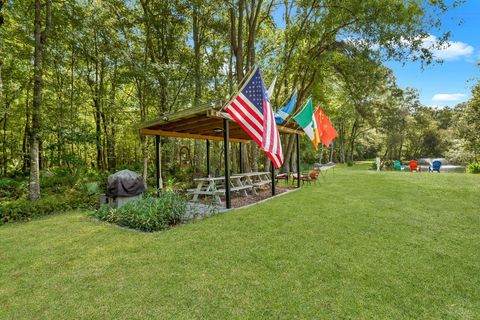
305,120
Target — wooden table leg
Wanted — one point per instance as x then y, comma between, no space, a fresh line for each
242,185
199,188
250,183
213,188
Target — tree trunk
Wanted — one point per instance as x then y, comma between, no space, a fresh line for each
254,152
1,94
267,164
97,109
288,154
98,130
40,40
110,120
26,134
353,134
342,142
4,142
245,162
198,61
233,157
320,156
197,81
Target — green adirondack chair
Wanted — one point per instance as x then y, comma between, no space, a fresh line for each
397,165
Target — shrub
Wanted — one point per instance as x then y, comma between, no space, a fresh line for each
58,179
474,167
149,214
91,188
8,187
388,164
25,210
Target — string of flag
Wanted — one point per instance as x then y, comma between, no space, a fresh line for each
251,108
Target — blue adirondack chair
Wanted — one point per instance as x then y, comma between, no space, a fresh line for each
435,166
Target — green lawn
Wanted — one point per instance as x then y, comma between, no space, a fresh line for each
359,244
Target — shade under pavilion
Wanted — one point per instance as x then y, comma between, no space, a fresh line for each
208,122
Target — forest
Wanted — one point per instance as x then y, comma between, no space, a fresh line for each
77,77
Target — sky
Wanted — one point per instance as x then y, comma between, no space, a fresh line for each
449,83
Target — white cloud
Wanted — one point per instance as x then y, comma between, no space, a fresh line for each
448,96
451,50
448,51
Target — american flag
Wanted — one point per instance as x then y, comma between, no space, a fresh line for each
251,109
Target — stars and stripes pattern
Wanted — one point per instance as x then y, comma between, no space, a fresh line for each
252,110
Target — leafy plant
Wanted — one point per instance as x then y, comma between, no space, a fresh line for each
91,188
474,167
7,187
25,210
388,164
59,179
148,214
11,189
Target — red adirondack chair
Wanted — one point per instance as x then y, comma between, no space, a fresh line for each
414,166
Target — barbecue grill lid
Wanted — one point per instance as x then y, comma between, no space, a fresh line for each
125,183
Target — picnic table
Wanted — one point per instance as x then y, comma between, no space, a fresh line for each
240,182
215,186
254,179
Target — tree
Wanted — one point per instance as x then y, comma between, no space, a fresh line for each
41,35
468,123
111,64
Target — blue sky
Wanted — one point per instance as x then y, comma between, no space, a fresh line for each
449,83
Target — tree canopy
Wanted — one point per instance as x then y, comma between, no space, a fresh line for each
76,76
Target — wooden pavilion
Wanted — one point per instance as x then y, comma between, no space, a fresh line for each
208,122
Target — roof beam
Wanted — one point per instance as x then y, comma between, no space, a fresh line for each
154,132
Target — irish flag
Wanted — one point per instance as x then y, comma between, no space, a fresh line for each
305,120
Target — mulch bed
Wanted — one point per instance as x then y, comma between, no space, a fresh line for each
239,200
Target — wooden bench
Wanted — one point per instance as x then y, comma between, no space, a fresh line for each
261,183
233,189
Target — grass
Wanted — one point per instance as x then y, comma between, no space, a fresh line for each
359,244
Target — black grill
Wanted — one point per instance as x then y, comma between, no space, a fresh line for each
125,183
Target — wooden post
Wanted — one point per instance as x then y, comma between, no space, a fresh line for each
226,160
158,164
273,178
208,158
298,161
